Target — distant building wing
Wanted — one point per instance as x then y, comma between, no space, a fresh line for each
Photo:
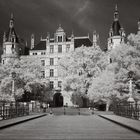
40,46
78,42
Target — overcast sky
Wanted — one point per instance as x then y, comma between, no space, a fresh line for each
80,16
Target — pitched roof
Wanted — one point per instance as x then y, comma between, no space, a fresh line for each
79,41
40,46
116,28
11,32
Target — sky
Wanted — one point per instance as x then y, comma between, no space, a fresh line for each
80,16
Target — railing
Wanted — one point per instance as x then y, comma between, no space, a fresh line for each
13,110
130,110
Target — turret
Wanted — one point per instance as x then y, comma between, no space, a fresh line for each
10,43
48,41
116,13
48,37
116,33
11,23
94,38
32,41
111,32
72,37
122,32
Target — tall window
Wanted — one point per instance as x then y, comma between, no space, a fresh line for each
67,47
51,49
51,61
60,48
42,62
51,72
60,84
13,40
59,38
12,48
51,84
42,74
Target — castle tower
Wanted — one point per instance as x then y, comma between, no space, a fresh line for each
116,33
10,43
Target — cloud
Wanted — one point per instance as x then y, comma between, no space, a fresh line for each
81,9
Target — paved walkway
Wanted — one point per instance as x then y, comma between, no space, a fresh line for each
14,121
123,121
78,127
69,111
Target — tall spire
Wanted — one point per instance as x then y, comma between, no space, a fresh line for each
116,8
11,24
116,13
12,16
72,34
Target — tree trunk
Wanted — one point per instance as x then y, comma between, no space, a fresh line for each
107,106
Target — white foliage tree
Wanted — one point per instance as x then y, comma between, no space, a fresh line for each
127,58
80,66
26,69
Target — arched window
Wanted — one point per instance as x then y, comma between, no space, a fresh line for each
51,72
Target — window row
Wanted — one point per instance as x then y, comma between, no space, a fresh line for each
52,49
51,63
52,84
51,73
59,48
42,53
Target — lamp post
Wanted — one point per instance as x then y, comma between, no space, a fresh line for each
13,84
130,76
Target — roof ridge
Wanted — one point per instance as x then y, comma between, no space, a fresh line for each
81,37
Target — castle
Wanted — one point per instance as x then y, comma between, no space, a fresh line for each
50,50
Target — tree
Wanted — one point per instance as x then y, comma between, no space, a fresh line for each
113,82
37,90
27,69
126,58
78,68
103,87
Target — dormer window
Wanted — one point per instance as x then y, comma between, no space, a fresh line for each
59,38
